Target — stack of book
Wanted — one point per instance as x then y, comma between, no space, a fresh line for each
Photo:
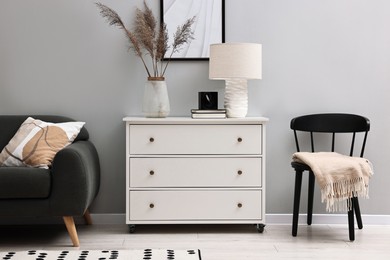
211,114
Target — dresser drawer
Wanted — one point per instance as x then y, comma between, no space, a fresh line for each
195,205
195,172
195,139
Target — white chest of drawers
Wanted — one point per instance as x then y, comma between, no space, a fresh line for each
183,170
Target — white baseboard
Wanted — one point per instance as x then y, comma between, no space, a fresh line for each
271,219
324,219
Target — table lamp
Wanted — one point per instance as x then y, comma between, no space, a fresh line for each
235,63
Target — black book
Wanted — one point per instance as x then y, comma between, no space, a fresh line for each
208,111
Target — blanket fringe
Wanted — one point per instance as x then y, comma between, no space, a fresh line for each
338,195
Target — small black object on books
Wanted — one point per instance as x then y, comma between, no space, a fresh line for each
209,113
208,100
208,106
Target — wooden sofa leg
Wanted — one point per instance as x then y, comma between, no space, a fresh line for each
87,217
71,227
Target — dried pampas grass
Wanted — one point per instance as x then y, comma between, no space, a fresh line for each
150,39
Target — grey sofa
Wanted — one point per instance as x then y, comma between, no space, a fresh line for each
66,189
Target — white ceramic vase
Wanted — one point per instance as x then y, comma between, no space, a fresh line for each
156,100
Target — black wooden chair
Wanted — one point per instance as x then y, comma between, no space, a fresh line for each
317,126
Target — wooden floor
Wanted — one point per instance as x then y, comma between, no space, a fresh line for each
224,242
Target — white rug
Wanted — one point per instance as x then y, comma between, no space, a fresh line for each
146,254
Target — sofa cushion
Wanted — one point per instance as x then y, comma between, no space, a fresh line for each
36,143
24,183
9,124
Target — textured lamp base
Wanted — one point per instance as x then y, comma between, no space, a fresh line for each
236,98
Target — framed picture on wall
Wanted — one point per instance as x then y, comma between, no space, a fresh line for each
209,25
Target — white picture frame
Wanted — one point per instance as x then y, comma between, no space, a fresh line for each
209,25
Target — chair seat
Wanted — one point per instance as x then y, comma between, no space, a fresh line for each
300,166
24,183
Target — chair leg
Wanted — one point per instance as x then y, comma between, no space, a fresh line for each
87,217
297,198
359,221
71,227
351,224
310,198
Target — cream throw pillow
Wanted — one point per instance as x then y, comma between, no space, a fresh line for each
36,143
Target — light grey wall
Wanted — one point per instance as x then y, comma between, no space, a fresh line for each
61,57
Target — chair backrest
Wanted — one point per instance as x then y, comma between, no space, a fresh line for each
332,123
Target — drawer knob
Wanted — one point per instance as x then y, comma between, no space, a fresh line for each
151,139
239,172
239,139
151,205
151,172
239,205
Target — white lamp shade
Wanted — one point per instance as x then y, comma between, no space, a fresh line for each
235,61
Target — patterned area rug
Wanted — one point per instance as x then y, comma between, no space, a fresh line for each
152,254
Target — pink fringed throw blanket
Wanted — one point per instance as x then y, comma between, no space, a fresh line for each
340,177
